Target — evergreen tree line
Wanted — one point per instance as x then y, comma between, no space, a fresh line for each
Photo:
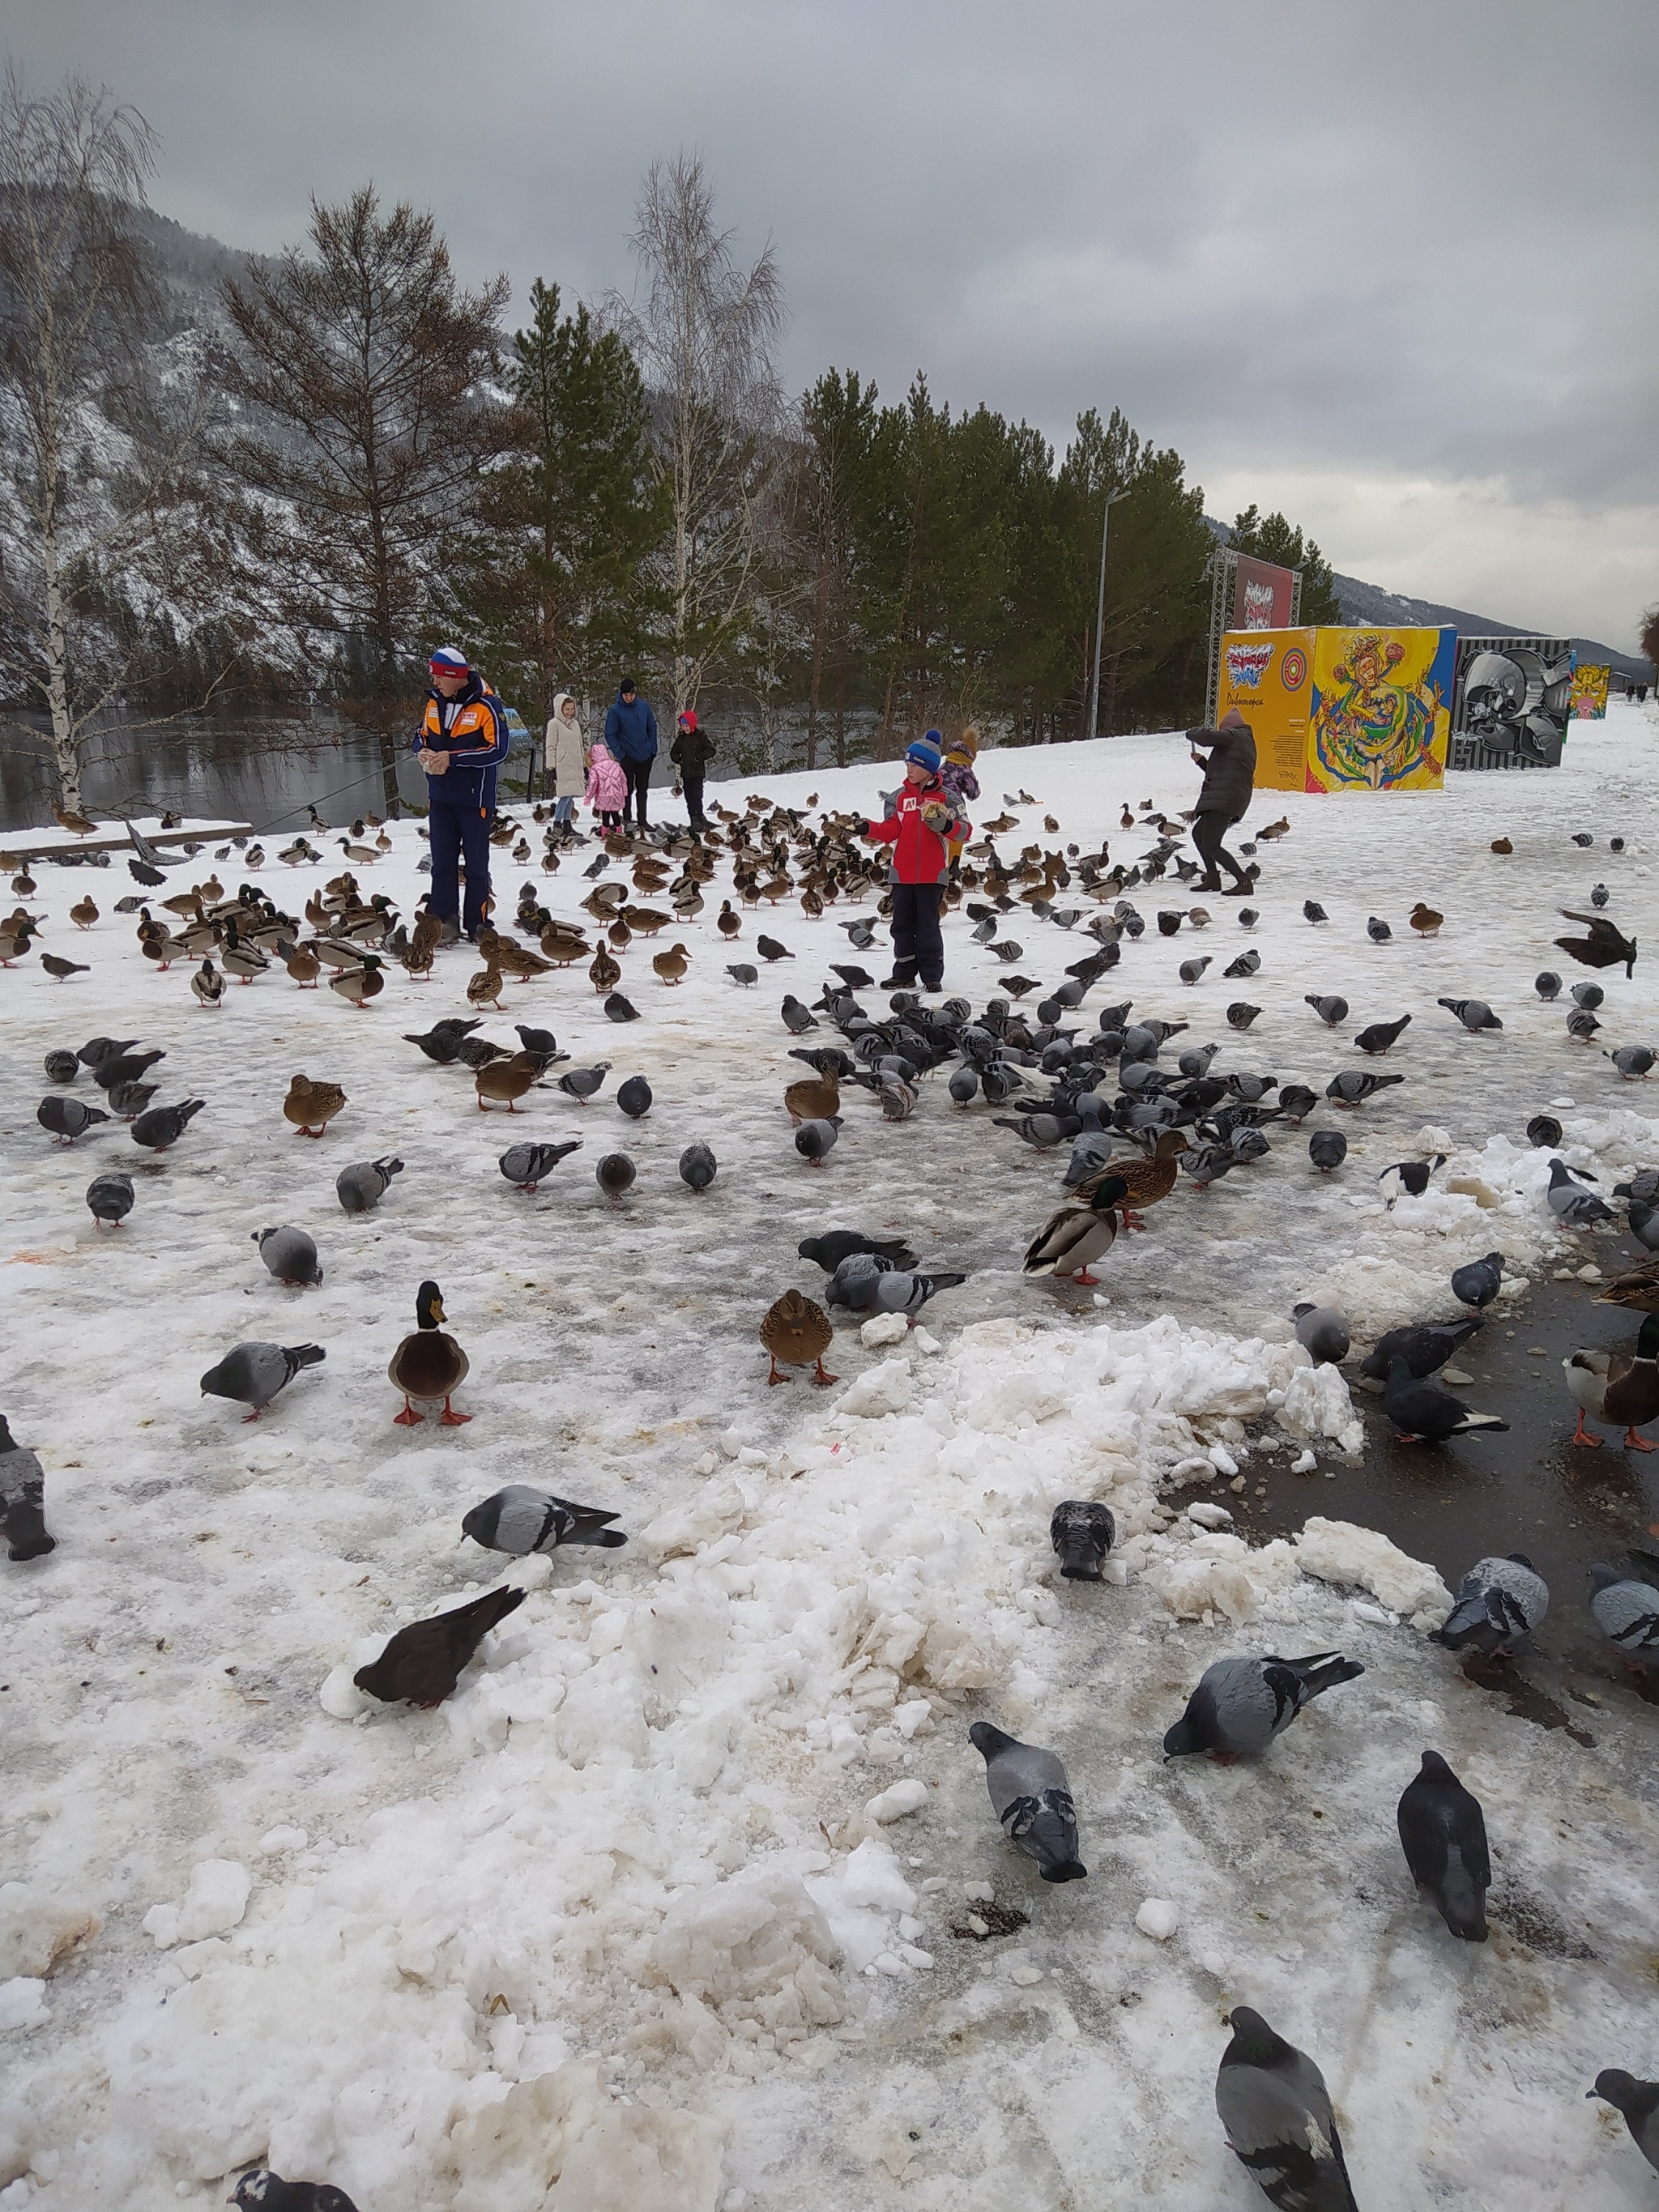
365,463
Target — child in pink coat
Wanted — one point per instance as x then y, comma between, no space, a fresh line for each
607,786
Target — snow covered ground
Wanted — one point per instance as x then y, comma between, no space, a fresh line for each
615,1926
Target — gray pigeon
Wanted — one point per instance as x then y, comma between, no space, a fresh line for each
1548,984
128,1100
896,1290
963,1086
1476,1283
62,1066
815,1140
291,1255
618,1007
1588,995
1643,1219
68,1118
1581,1024
110,1198
1277,2111
1632,1061
160,1126
1192,971
797,1019
582,1082
253,1374
1082,1532
1422,1413
634,1098
614,1175
1328,1149
96,1050
1498,1602
1639,2103
1321,1330
1353,1087
360,1187
1473,1013
1442,1833
1377,930
527,1164
1040,1131
1378,1036
1332,1011
1425,1346
1626,1611
743,974
1092,1153
1032,1798
698,1167
22,1500
1568,1202
521,1520
1241,1014
1241,1704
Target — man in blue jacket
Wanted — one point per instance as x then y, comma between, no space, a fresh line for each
463,740
630,735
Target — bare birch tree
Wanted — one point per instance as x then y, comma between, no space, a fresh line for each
704,336
106,539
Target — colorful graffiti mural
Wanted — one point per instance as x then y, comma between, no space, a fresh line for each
1380,719
1589,691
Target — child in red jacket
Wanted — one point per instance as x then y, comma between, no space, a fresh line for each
919,826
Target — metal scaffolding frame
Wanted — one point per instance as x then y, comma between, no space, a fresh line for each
1221,568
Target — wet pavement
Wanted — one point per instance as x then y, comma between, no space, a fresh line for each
1529,1490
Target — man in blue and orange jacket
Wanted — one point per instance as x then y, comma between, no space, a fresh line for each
462,742
922,819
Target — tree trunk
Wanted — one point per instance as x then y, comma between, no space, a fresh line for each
65,746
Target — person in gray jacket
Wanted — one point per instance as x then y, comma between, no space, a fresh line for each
1229,784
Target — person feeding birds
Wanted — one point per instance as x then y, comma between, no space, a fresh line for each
922,819
462,741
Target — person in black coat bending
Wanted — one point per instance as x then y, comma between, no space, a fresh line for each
1228,782
692,754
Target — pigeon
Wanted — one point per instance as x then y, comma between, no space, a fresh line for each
96,1050
541,1043
423,1661
160,1126
265,2191
1444,1836
1426,1415
360,1187
1581,1024
1632,1061
1425,1346
1313,911
1248,917
836,1245
743,974
120,1067
1599,894
1032,1798
1498,1602
1241,1704
1248,963
520,1520
1588,995
634,1097
618,1007
1548,984
1353,1087
770,949
475,1052
1328,1149
1644,1218
891,1290
109,1198
60,970
1627,1611
797,1019
442,1041
527,1164
1377,930
22,1500
1331,1011
1277,2111
1473,1013
1412,1176
1639,2103
1040,1131
963,1086
1544,1133
1296,1102
614,1175
1323,1332
1379,1035
815,1140
1583,837
62,1066
1082,1532
1578,1208
1607,946
1252,1089
291,1255
1475,1283
582,1082
254,1373
68,1118
1644,1185
1192,971
698,1167
1241,1014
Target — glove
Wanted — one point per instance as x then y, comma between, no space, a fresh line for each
937,816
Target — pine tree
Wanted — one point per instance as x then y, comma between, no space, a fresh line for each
1270,538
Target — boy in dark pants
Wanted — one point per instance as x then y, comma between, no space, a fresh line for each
919,826
462,741
691,753
1228,782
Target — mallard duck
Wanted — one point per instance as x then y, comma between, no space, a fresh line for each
240,959
1146,1180
564,944
14,937
507,1079
312,1106
484,989
798,1331
1637,1287
813,1099
1617,1387
1073,1239
1423,918
357,986
603,972
672,964
428,1365
84,913
208,984
301,963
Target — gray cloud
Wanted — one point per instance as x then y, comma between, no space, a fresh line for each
1388,264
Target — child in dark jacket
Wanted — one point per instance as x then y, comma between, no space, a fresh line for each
958,778
691,753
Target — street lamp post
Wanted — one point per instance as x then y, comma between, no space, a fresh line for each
1112,499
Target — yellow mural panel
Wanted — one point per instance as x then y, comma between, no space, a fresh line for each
1380,719
1590,692
1266,674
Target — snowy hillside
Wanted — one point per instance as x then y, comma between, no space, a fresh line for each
692,1896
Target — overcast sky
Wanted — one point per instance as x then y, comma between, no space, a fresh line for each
1390,266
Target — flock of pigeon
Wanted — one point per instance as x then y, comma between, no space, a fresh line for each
1137,1130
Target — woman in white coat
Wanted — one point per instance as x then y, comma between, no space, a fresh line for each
566,769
